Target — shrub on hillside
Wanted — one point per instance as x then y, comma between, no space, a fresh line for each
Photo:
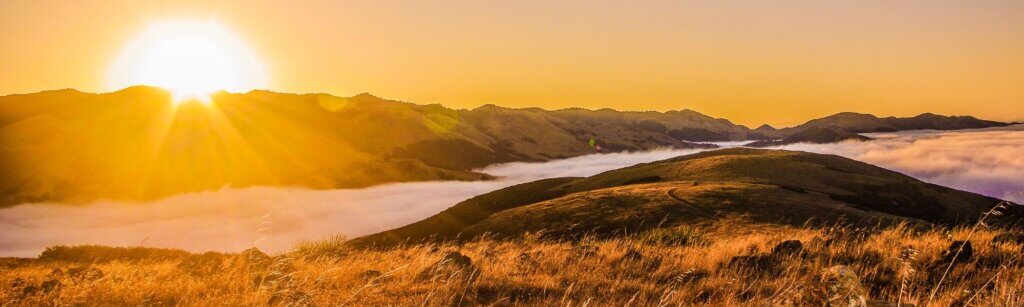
96,253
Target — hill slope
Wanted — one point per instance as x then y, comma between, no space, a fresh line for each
763,186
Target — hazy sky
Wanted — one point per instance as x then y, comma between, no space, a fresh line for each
754,62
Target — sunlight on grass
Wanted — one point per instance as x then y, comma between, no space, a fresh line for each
719,265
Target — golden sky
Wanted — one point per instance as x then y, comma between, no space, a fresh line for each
753,62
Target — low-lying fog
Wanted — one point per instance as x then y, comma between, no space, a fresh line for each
273,219
983,161
989,161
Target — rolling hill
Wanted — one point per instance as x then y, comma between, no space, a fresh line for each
762,186
67,145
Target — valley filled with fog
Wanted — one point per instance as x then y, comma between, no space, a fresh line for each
984,161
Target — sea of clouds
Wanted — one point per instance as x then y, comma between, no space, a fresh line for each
986,161
272,219
983,161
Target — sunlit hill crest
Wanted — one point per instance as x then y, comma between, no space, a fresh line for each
138,143
192,59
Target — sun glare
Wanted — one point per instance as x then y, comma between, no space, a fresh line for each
189,58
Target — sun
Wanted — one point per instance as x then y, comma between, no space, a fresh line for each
192,59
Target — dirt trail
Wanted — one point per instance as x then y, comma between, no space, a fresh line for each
671,194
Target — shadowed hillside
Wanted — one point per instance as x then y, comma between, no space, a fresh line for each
763,186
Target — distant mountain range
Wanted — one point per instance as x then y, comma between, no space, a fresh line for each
754,185
812,135
67,145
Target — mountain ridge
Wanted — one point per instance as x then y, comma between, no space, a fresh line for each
368,94
68,145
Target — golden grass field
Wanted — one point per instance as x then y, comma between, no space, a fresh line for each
728,263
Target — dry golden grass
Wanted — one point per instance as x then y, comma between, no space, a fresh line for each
682,266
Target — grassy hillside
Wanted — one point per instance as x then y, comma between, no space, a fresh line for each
729,263
763,186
